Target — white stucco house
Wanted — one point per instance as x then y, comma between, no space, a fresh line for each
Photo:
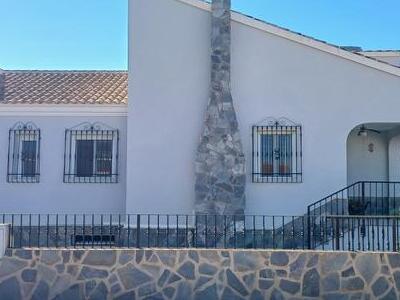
313,118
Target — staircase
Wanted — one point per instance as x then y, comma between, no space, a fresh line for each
336,218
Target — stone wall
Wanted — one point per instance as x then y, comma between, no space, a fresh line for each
198,274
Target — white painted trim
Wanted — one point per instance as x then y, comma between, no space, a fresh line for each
51,110
381,53
304,40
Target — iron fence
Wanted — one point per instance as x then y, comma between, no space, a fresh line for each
364,233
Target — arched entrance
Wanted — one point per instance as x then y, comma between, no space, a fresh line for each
373,158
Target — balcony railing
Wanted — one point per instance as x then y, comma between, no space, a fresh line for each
364,233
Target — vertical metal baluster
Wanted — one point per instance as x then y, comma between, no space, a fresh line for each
101,230
158,230
377,234
383,234
234,232
47,230
387,234
148,230
368,226
302,232
167,231
215,231
84,229
65,230
206,233
109,237
119,230
20,230
254,233
138,231
177,231
225,231
263,231
38,237
348,234
195,231
30,230
373,234
11,235
283,232
186,231
334,232
352,234
293,241
57,230
343,220
273,232
129,229
244,231
93,231
74,230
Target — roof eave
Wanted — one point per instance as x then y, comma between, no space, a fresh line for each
302,39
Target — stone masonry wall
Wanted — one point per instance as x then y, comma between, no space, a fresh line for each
198,274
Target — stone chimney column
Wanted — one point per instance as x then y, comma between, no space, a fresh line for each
220,162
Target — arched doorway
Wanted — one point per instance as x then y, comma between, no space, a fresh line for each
373,158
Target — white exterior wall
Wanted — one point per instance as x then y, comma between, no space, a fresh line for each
168,91
394,159
51,195
364,165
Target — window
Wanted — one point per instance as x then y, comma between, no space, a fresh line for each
23,154
277,154
91,155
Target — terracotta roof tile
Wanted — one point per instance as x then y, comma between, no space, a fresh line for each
64,87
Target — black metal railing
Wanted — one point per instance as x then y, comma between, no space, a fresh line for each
356,233
368,233
361,198
155,231
370,198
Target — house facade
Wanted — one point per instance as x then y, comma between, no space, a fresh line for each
300,104
300,119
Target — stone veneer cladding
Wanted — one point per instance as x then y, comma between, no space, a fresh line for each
198,274
220,162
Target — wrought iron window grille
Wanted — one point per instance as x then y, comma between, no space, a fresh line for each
23,164
91,154
277,151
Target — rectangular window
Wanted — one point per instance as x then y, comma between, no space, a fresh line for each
23,154
277,154
91,156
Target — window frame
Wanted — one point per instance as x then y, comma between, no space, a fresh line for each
90,132
292,160
18,134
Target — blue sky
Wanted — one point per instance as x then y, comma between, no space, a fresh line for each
92,34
